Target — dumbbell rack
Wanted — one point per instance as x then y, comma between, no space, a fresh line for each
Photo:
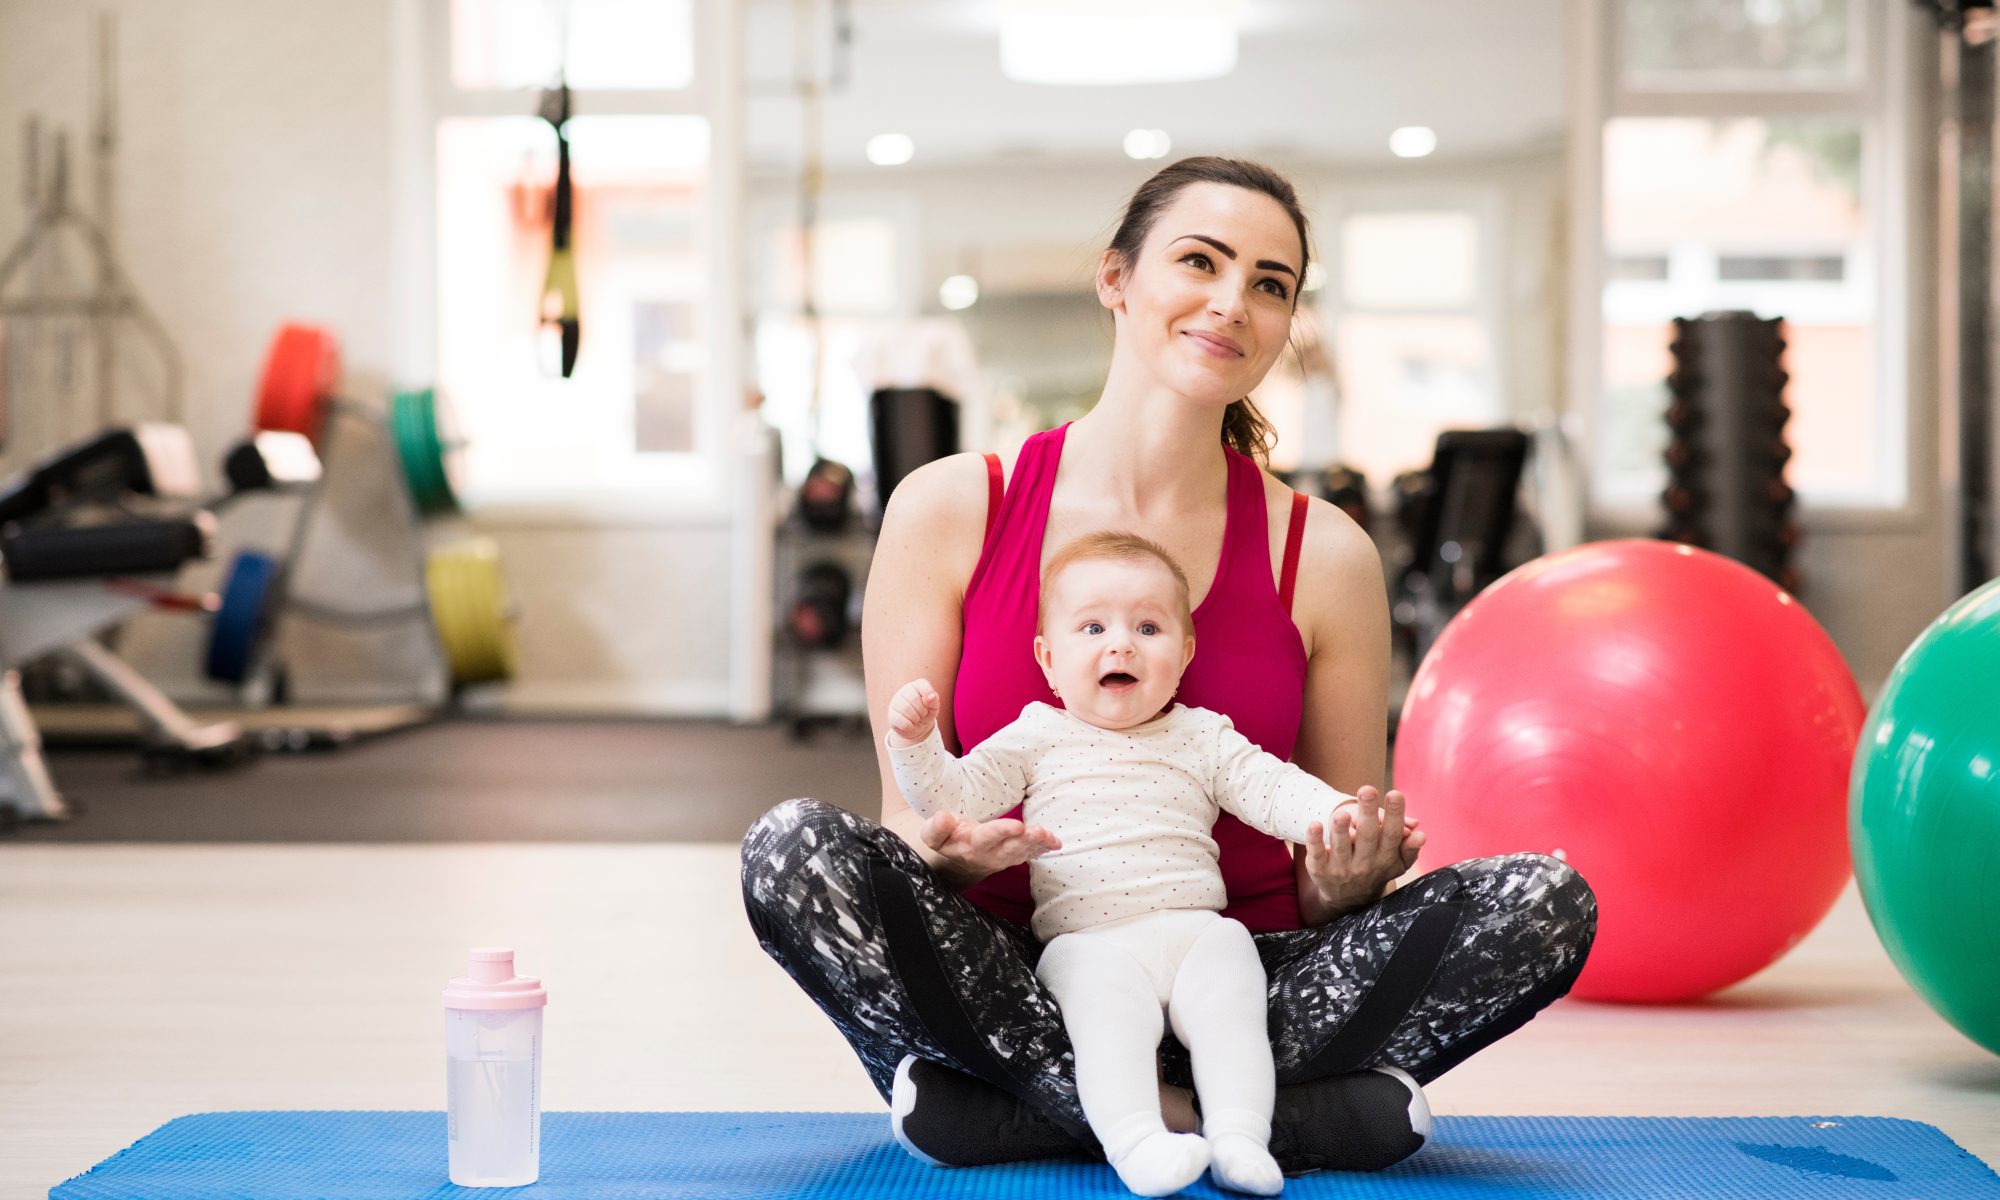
814,686
1726,457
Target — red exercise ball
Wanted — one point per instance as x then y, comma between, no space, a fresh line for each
1668,722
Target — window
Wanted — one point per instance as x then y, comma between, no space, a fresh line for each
611,43
1683,45
644,408
812,372
632,398
1752,214
1742,166
1412,345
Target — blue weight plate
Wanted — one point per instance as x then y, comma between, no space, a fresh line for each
240,622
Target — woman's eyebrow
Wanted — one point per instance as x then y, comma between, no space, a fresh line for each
1263,263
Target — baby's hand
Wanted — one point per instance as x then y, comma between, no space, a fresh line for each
913,713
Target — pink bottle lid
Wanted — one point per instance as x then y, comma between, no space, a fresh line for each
489,984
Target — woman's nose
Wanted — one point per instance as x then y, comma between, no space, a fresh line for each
1226,302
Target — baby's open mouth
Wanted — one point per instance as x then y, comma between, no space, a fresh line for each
1117,679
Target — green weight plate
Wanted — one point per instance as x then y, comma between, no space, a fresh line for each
413,426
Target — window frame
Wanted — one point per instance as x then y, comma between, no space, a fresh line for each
1882,106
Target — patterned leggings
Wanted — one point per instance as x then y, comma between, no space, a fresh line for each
1444,966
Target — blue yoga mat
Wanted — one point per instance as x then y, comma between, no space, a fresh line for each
760,1156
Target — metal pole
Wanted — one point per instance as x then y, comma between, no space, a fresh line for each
103,141
1975,309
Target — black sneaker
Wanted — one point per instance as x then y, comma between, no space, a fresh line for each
950,1119
1363,1121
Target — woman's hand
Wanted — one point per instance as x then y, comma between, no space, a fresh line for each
1371,843
972,850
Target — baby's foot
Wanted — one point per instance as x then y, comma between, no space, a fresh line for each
1163,1163
1242,1164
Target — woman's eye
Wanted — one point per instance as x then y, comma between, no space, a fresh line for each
1279,290
1199,257
1092,627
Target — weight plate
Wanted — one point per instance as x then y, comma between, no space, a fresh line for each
241,622
299,374
423,450
468,597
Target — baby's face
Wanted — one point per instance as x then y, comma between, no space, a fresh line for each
1113,644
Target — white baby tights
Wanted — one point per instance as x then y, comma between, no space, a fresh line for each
1200,971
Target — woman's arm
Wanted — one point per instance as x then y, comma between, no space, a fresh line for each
1341,607
912,615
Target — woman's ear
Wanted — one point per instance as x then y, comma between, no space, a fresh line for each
1111,275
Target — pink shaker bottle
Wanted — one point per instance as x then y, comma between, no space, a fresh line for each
493,1072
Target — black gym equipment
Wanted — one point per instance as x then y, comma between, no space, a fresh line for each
1456,518
908,428
1726,488
818,616
561,308
1966,282
826,498
820,559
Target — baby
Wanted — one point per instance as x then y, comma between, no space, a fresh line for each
1130,905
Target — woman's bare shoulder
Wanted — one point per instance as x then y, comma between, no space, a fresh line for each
941,494
1333,542
938,512
1341,562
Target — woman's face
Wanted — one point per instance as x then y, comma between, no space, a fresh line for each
1209,300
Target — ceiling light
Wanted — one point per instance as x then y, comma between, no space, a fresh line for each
890,149
1101,42
958,292
1148,143
1413,141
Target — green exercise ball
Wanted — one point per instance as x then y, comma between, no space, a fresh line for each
1924,815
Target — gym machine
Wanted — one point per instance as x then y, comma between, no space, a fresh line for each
88,538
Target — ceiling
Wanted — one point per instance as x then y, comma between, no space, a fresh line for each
1324,80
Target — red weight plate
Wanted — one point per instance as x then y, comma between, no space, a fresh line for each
298,380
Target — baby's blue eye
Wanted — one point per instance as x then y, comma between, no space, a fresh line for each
1148,628
1092,627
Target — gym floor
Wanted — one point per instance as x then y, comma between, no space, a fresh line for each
151,970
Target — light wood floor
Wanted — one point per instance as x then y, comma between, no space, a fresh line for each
138,983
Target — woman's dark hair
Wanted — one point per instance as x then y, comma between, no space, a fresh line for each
1244,429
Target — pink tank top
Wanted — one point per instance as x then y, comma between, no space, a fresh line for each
1249,662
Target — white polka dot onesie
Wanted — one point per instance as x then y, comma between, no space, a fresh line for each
1133,808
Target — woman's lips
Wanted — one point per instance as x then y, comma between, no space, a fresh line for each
1216,345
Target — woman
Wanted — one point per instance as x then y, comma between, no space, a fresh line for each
911,935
